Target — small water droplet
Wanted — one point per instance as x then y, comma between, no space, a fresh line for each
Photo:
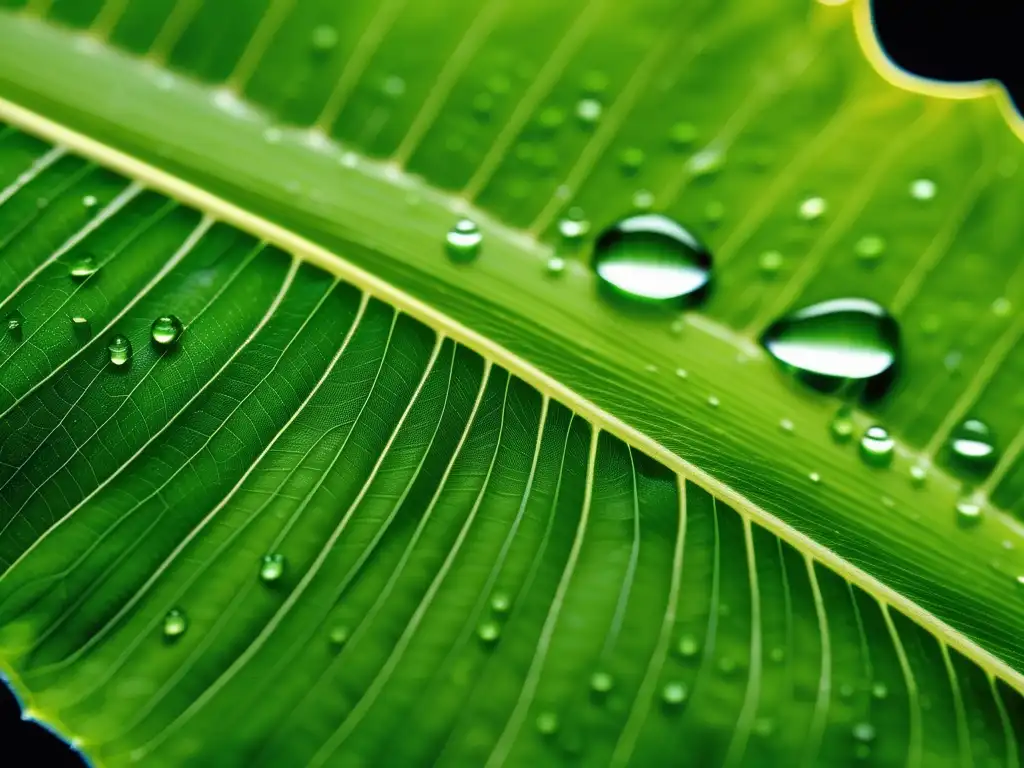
869,249
688,647
588,111
594,82
842,426
573,227
922,189
82,267
498,83
601,682
15,324
551,118
864,732
682,135
713,401
973,446
547,723
1002,307
120,350
166,330
555,265
272,567
674,693
80,326
845,691
879,690
786,425
643,200
483,104
631,160
463,240
175,623
727,665
814,477
682,373
812,208
500,602
770,262
837,341
652,258
777,654
338,635
489,631
968,512
714,212
393,86
89,201
324,38
877,447
706,162
763,727
918,475
1020,581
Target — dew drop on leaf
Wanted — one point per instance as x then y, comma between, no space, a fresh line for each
272,567
812,208
879,690
968,512
770,262
594,82
918,475
601,682
876,447
15,324
688,647
120,350
175,623
682,135
80,326
631,160
864,732
714,212
393,86
89,201
841,426
972,445
674,693
489,631
551,118
555,265
574,226
869,249
588,111
463,240
836,341
547,723
922,189
706,162
324,38
82,267
166,330
651,258
483,104
500,602
643,200
338,635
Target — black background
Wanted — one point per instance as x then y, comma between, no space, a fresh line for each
954,40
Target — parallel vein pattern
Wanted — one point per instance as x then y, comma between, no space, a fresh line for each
468,573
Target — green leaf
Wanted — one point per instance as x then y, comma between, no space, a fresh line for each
376,507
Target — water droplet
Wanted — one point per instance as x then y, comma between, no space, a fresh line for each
714,212
500,602
842,426
770,262
601,682
594,82
682,135
555,265
727,665
918,475
688,647
166,330
706,162
763,727
869,248
968,512
463,240
120,350
324,38
836,341
876,447
489,631
814,477
393,86
812,208
89,201
777,654
483,104
175,623
973,446
922,189
786,425
681,373
1002,307
272,567
338,635
498,83
1020,581
845,691
631,159
864,732
713,401
674,693
15,324
588,111
652,258
82,267
80,326
879,691
574,226
551,118
547,723
643,200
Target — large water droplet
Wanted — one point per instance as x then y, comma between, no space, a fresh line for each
837,341
272,567
463,240
652,258
82,267
876,447
175,623
973,446
120,350
166,330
